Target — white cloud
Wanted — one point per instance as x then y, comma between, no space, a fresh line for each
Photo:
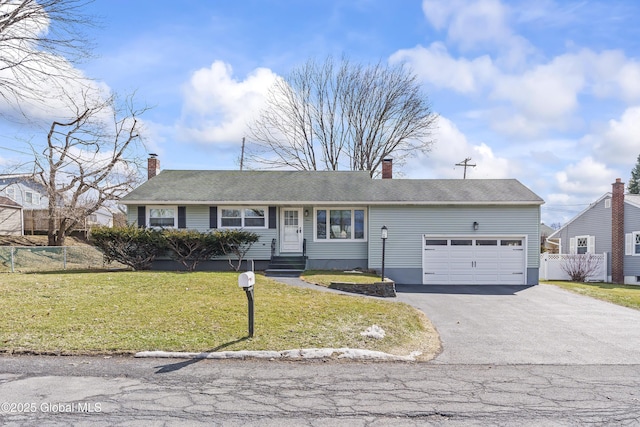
452,147
546,92
217,107
436,66
619,143
469,23
587,178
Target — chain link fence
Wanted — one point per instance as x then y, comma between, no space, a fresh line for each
23,259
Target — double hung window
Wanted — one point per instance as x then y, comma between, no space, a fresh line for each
239,217
163,217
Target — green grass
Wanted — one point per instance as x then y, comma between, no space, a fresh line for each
625,295
126,312
325,277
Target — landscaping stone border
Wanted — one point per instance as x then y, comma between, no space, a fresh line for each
386,289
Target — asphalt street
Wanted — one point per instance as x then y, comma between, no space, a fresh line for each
512,356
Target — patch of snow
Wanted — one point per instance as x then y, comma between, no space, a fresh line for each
296,354
374,331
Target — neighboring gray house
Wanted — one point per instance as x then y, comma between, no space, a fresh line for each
439,231
609,225
545,232
10,217
32,196
22,189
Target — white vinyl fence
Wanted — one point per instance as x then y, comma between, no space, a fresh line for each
551,267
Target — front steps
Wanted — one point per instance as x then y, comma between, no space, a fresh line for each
286,266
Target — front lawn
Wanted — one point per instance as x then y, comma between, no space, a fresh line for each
127,312
625,295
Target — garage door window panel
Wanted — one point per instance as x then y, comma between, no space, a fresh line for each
458,242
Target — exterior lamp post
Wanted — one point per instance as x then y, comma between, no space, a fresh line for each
383,235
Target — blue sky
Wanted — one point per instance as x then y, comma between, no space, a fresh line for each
547,92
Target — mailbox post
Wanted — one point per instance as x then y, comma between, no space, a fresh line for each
246,281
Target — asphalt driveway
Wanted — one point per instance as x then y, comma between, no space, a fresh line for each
540,324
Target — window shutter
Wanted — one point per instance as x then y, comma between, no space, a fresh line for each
142,216
572,245
272,217
628,244
213,217
182,217
591,244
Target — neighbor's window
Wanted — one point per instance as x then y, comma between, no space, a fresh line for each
163,216
11,193
636,243
340,224
28,197
243,217
582,245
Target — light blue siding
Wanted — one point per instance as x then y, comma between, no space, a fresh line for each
406,226
333,250
197,218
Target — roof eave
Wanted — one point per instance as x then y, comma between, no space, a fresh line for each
333,202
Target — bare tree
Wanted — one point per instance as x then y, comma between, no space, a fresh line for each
345,116
580,267
89,160
38,42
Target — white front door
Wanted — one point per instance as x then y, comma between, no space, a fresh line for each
291,230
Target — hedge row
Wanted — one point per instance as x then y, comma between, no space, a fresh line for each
139,247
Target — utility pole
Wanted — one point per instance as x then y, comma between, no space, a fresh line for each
466,164
242,154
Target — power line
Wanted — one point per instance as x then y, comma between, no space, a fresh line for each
15,151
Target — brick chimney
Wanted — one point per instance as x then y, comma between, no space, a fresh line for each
153,166
617,232
387,168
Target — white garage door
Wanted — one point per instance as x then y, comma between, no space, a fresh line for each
473,261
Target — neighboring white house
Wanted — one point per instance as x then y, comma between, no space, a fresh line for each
10,217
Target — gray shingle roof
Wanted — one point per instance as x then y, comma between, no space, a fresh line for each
327,187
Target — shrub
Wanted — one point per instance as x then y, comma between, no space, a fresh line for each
580,267
190,247
129,245
235,243
139,247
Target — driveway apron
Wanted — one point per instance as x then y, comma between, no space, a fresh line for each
540,324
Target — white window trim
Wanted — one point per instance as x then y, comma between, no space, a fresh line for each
607,203
241,209
340,208
591,244
630,243
175,217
